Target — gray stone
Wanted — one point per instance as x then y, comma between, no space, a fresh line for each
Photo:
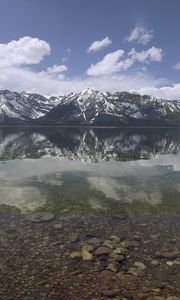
135,272
154,263
115,238
40,217
111,267
74,238
168,254
139,265
94,241
117,257
58,226
109,293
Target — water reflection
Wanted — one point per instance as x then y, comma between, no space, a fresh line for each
87,171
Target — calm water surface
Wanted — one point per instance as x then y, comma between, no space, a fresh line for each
84,171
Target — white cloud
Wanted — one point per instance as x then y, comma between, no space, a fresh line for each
140,35
152,54
171,92
14,76
108,65
111,63
57,69
98,45
26,50
177,66
68,52
21,79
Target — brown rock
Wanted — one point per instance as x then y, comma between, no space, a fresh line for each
128,281
160,275
103,251
107,280
117,257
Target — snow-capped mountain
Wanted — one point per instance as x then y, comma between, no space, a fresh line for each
120,108
89,107
24,106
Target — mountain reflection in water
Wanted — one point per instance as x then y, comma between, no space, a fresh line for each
90,170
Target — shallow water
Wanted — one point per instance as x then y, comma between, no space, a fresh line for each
84,171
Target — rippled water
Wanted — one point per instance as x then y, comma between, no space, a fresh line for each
83,171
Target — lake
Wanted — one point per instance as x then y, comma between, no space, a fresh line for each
114,196
90,171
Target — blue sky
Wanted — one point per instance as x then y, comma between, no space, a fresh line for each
59,46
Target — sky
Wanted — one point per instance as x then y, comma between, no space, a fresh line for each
54,47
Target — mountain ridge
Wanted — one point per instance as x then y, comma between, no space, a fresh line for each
88,107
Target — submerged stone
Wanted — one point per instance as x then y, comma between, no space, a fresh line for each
40,217
103,251
87,256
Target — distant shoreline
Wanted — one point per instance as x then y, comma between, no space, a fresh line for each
86,126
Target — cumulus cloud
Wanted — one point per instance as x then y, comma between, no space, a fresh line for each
15,55
111,63
20,79
108,65
25,51
177,66
152,54
140,35
171,92
98,45
57,69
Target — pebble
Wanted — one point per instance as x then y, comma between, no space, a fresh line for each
170,263
140,265
103,251
74,238
40,217
120,250
58,226
107,280
135,272
130,244
115,238
154,236
111,267
117,257
87,256
88,248
108,244
154,263
76,255
94,241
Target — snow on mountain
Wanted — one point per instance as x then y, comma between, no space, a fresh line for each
24,106
89,107
94,107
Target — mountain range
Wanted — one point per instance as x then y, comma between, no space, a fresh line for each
89,107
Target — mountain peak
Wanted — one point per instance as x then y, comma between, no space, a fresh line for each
88,91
